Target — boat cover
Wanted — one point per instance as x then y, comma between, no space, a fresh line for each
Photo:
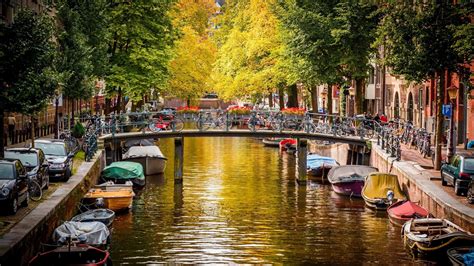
350,172
139,142
469,257
408,209
97,214
144,151
123,170
378,184
316,161
91,233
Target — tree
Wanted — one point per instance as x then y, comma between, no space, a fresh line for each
27,52
421,41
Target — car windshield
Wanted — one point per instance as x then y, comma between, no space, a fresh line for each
469,164
52,149
27,159
6,171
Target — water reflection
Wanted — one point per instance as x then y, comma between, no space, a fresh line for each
239,203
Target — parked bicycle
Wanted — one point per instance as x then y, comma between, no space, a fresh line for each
70,140
34,190
166,121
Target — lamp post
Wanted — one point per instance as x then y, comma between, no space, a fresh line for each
452,93
352,94
57,94
98,87
323,95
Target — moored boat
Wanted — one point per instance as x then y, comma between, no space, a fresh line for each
90,233
104,216
80,254
288,145
381,190
121,172
432,237
272,142
402,211
349,179
461,256
116,197
319,165
150,157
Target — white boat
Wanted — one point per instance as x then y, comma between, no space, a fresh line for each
150,157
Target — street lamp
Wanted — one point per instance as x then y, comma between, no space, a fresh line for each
98,86
452,93
57,94
323,95
352,93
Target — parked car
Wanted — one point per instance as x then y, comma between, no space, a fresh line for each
458,173
59,157
13,185
34,161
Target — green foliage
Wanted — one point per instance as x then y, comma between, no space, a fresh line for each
78,130
27,79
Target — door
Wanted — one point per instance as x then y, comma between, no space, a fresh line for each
410,107
21,181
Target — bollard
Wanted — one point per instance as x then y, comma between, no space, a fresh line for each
178,160
301,163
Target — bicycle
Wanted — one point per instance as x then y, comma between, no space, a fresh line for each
208,121
307,125
34,190
166,121
72,142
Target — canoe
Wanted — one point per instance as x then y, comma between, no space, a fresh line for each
150,157
318,165
104,216
432,237
121,172
402,211
381,190
287,145
90,233
116,197
271,142
349,180
72,255
461,256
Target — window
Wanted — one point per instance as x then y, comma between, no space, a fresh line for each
20,169
28,159
468,164
455,162
427,98
52,149
6,171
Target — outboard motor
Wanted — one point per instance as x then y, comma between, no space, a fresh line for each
390,196
100,203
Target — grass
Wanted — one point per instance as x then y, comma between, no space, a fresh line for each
79,158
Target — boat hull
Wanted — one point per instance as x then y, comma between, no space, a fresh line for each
74,255
151,165
353,188
437,248
115,200
319,171
271,143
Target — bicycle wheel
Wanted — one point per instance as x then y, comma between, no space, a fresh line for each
276,125
220,123
177,124
252,125
290,124
203,124
153,126
34,190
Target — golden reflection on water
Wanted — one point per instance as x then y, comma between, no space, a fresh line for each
239,204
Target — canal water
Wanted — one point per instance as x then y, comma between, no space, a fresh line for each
239,204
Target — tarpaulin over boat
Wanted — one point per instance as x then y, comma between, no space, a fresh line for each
352,172
91,233
378,184
144,151
408,209
316,161
123,170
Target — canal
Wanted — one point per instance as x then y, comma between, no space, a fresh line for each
239,204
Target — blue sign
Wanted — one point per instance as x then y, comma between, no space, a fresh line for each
447,110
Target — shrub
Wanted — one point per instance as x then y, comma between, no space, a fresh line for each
78,130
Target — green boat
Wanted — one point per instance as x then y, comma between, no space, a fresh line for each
121,172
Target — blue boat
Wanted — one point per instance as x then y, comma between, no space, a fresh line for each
318,165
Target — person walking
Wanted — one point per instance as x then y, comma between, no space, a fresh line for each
11,127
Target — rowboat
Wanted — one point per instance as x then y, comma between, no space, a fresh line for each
402,211
150,157
271,142
432,237
116,197
318,165
91,233
288,145
349,179
461,256
121,172
80,254
381,190
104,216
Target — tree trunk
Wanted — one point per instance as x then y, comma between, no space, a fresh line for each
2,132
33,130
118,108
359,96
108,103
292,96
439,120
188,102
73,108
329,112
270,100
281,97
314,99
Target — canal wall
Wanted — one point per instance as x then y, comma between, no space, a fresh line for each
24,240
416,183
343,153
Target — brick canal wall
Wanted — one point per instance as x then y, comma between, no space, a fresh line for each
341,152
24,240
416,183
